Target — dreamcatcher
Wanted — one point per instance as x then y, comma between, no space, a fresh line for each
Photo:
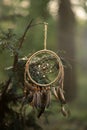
44,75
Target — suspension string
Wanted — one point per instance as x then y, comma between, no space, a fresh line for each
45,35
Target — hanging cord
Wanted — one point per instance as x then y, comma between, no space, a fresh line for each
45,35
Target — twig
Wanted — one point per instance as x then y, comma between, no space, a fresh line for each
36,24
20,45
15,61
23,36
22,40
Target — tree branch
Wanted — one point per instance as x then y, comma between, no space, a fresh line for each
23,36
20,45
22,40
27,28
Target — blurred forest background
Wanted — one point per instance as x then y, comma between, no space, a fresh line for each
67,35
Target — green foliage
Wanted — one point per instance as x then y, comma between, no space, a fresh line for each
8,40
15,16
11,99
15,85
11,91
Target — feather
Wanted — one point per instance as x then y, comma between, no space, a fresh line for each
35,100
39,99
64,112
54,92
48,100
43,103
61,96
41,111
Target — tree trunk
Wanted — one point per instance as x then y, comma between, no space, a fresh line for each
66,40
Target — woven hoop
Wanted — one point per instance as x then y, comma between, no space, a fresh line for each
60,71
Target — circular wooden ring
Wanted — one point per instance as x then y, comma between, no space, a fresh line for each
27,66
